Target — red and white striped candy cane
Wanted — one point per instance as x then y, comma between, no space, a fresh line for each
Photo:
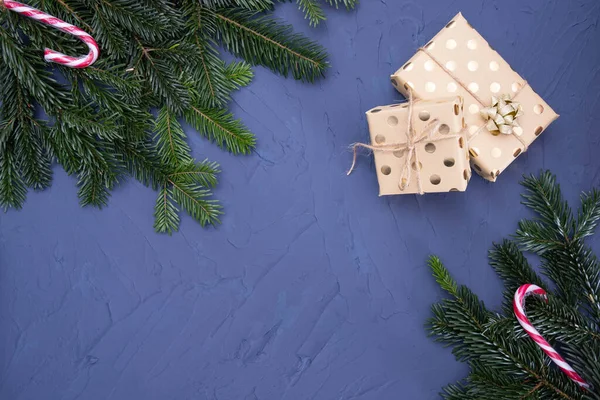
518,304
51,55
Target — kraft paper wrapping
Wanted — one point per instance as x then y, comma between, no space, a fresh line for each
463,51
444,162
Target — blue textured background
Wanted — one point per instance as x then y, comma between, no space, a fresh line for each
313,287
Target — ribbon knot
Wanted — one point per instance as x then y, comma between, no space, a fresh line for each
413,138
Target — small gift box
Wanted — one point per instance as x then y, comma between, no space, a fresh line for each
503,113
419,147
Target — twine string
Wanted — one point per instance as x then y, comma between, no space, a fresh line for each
479,100
413,138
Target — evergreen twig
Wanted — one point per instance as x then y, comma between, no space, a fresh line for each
155,54
505,363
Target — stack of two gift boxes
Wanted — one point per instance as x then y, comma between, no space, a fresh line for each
487,112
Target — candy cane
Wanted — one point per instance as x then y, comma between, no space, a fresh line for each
518,304
51,55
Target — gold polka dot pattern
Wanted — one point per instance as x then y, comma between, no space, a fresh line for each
477,73
472,66
473,87
441,162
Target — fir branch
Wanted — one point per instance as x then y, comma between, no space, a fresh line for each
96,163
142,162
28,72
33,158
349,4
256,5
561,323
479,336
166,216
220,127
170,139
138,18
312,11
159,75
536,237
458,392
543,196
568,261
125,86
6,129
212,87
154,55
585,357
97,173
203,173
86,119
490,383
93,187
513,268
238,75
12,186
588,214
505,363
442,276
194,199
577,272
266,41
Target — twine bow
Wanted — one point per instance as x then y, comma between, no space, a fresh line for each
413,138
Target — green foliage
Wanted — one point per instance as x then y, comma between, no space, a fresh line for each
170,138
155,55
349,4
312,11
266,41
220,127
505,363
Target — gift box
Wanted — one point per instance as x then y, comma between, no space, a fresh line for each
503,114
434,159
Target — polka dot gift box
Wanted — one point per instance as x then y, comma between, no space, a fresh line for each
426,155
502,112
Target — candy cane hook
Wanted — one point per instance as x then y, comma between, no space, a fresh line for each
51,55
518,304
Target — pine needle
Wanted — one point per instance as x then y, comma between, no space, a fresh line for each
155,55
312,11
264,40
505,363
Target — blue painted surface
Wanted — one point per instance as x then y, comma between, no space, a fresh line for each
313,287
